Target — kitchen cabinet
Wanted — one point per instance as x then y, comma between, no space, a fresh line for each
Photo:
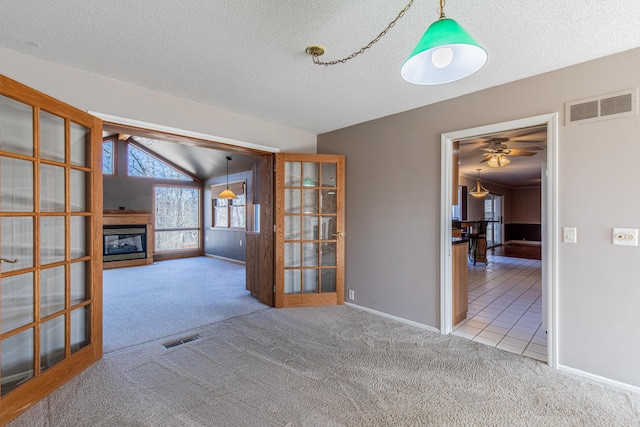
460,279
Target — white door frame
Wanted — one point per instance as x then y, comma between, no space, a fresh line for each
550,239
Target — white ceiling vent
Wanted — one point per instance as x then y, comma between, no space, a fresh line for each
610,106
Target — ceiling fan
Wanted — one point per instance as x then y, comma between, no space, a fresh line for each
497,150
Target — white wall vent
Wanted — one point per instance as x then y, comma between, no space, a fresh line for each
610,106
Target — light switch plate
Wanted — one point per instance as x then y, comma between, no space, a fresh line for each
569,234
625,236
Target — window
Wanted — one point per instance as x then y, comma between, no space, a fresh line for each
229,213
177,216
143,164
108,157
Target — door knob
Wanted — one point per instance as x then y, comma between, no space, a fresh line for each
338,234
8,260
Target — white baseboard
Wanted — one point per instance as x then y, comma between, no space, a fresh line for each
221,258
389,316
599,379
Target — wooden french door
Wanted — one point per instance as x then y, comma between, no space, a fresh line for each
309,223
51,231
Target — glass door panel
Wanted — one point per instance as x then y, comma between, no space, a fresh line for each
328,280
52,239
78,190
52,291
17,177
80,139
52,337
310,280
292,228
329,174
78,237
16,360
18,298
16,123
292,202
52,140
293,174
52,188
79,282
17,242
80,328
310,251
310,174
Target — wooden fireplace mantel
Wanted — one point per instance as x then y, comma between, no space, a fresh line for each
122,217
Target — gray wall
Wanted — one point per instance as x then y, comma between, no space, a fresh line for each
393,208
228,243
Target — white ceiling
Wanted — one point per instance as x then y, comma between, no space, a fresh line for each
247,56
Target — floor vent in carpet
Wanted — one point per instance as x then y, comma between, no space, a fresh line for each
181,341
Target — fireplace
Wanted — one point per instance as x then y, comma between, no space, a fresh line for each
124,242
127,238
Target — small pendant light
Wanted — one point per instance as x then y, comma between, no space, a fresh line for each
479,191
227,194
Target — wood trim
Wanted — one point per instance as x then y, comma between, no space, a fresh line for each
181,139
267,254
311,299
252,270
164,256
340,228
279,232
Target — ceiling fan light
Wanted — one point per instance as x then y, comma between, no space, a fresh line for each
503,161
493,161
445,53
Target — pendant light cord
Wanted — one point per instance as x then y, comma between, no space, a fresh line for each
372,42
228,158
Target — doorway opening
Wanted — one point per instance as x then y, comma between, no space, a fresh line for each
489,211
195,271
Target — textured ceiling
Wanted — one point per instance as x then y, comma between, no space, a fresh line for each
248,56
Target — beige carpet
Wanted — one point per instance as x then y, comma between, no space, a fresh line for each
149,302
329,366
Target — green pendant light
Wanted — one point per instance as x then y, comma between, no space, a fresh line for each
445,53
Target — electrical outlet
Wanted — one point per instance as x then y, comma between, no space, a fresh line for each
625,236
352,294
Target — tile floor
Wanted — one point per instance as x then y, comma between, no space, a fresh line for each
505,306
